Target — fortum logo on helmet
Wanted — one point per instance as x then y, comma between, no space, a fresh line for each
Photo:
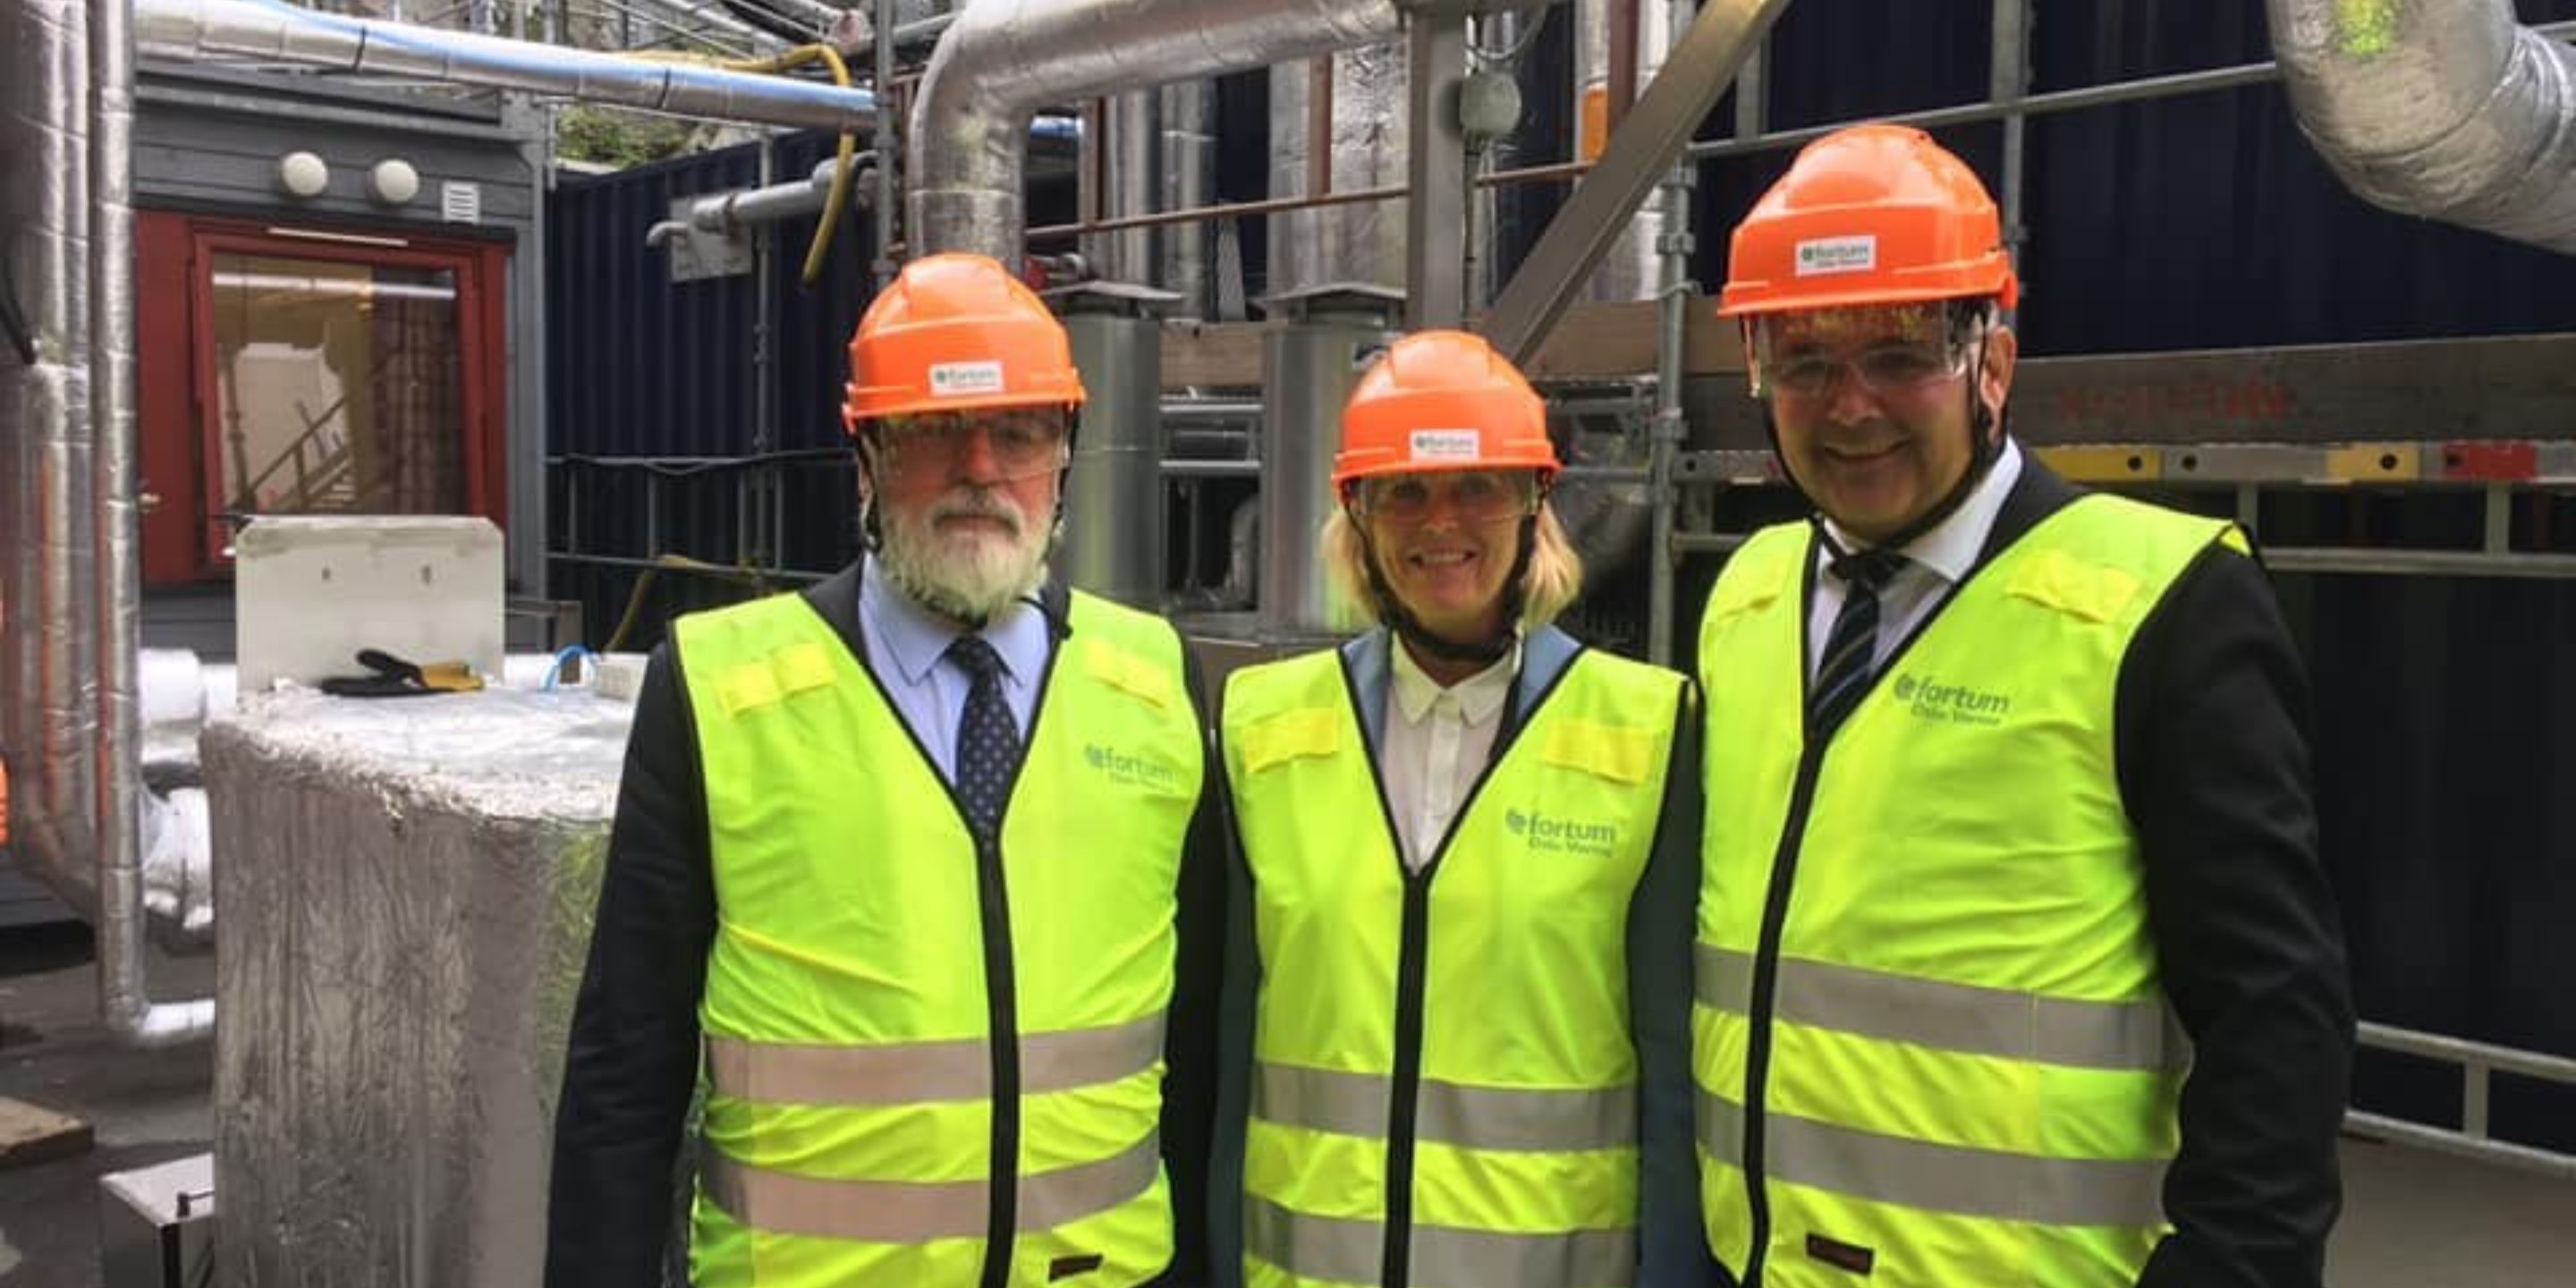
1561,835
952,379
1825,255
1447,445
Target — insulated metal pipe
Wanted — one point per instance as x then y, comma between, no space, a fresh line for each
199,30
2444,109
1004,59
1113,507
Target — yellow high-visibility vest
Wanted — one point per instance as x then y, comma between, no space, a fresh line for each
1928,1019
910,1041
1444,1075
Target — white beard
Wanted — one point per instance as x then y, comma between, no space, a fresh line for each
967,576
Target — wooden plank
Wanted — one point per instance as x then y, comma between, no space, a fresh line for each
1596,341
31,1135
1607,340
1212,355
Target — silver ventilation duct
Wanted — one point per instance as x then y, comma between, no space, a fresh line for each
1632,267
70,574
1361,243
203,30
1188,182
2445,109
1004,59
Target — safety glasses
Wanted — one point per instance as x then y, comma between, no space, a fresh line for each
1020,441
1892,350
1467,496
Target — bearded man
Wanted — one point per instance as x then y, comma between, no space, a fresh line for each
910,875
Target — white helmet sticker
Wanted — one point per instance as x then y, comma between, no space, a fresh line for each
1837,255
1447,445
949,379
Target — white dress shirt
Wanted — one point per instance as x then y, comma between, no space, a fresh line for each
1437,740
1934,562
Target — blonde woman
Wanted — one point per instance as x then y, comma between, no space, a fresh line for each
1462,927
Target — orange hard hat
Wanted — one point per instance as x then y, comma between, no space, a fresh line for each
1443,400
1873,214
957,333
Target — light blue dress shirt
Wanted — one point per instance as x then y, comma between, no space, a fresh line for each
908,649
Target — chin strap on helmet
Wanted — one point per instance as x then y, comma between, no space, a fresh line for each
1392,613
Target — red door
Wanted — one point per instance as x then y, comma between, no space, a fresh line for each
292,371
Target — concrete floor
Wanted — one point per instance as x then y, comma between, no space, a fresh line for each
2411,1219
143,1107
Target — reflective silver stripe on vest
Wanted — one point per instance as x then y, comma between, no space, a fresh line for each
1952,1017
1354,1252
913,1073
909,1212
1941,1178
1356,1104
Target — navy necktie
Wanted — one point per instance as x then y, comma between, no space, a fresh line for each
1852,645
988,739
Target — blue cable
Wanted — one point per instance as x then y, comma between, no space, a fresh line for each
569,653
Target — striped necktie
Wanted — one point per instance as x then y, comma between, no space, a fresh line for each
1851,647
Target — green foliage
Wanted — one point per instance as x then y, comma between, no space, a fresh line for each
607,136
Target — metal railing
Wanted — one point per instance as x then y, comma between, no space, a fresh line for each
2478,1063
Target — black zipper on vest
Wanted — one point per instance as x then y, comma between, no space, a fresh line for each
1775,910
1001,996
1766,970
1412,966
1001,978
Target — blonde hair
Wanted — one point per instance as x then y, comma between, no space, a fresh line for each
1550,583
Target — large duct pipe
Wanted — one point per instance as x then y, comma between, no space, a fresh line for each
1633,266
1131,135
197,30
1189,182
1004,59
69,579
1367,148
116,578
51,725
2445,109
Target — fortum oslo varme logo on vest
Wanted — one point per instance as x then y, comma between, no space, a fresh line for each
1131,769
1561,835
1927,699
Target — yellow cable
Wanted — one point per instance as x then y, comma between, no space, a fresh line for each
844,173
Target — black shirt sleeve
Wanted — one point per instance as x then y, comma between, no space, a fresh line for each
1662,928
1190,1037
632,1059
2214,768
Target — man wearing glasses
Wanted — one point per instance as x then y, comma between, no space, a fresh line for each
910,877
2016,964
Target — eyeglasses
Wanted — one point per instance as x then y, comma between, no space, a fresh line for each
1021,441
1891,350
1472,496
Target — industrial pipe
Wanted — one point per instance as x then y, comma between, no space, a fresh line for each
69,576
1004,59
198,30
2444,109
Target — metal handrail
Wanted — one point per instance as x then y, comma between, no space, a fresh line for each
2478,1062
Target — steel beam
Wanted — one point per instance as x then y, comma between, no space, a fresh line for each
1649,142
1435,271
